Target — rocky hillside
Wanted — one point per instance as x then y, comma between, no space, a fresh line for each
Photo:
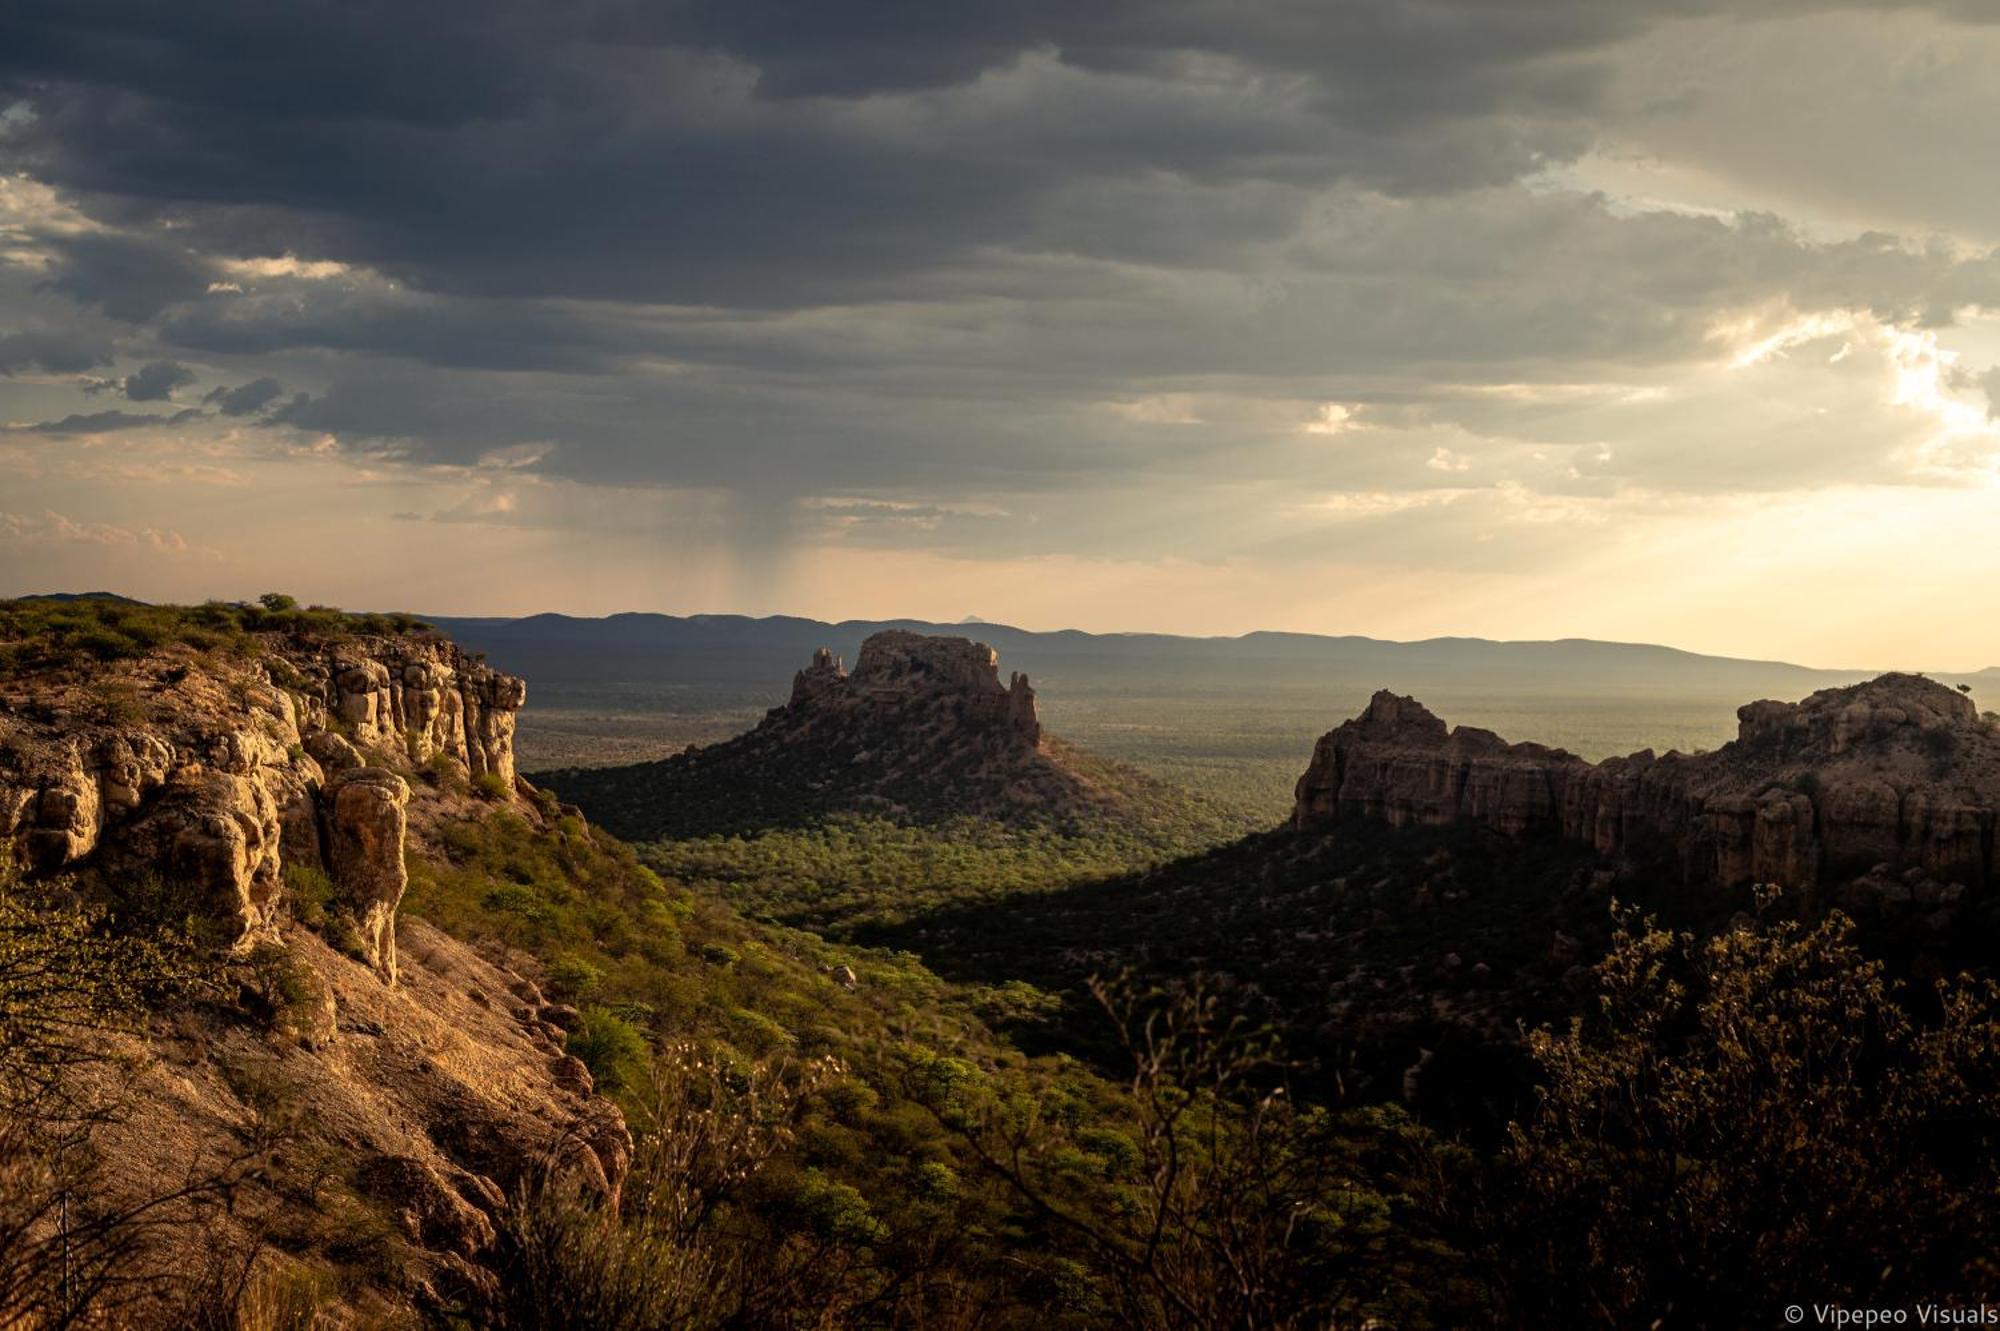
1883,793
264,782
922,728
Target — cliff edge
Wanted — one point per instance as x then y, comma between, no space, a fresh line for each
1889,787
268,791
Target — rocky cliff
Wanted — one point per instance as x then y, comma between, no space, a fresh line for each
921,727
1889,788
904,678
219,773
272,792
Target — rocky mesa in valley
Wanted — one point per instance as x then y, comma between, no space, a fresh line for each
922,726
1883,793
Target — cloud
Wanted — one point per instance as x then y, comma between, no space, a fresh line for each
58,352
105,422
50,528
245,399
156,382
130,278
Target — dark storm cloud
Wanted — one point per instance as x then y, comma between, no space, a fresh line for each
156,382
667,152
245,399
718,152
105,422
291,315
127,278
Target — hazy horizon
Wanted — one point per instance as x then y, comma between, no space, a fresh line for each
971,624
1409,319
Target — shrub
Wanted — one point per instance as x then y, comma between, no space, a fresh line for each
611,1047
1942,746
310,891
1746,1119
289,995
490,786
117,703
571,977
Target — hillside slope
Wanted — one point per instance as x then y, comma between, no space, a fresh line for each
359,1025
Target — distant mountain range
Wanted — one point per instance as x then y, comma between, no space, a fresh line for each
556,648
82,596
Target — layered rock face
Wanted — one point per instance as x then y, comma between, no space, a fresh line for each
1895,778
215,776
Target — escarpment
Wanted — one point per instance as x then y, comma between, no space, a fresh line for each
216,775
1890,786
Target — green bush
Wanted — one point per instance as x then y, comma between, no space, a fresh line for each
46,634
611,1047
571,977
310,892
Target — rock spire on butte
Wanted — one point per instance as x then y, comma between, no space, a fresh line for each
900,672
921,727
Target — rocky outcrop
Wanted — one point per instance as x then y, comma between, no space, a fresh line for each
1899,773
899,671
430,702
366,820
922,727
213,774
269,795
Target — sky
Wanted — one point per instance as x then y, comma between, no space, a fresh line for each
1675,321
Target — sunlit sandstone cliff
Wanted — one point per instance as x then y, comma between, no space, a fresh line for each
1894,780
221,781
223,772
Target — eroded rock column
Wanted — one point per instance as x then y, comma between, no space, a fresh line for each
367,819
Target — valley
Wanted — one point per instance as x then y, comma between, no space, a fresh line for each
918,1012
1227,716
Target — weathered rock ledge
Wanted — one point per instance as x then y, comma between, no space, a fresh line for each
238,782
218,774
1896,779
